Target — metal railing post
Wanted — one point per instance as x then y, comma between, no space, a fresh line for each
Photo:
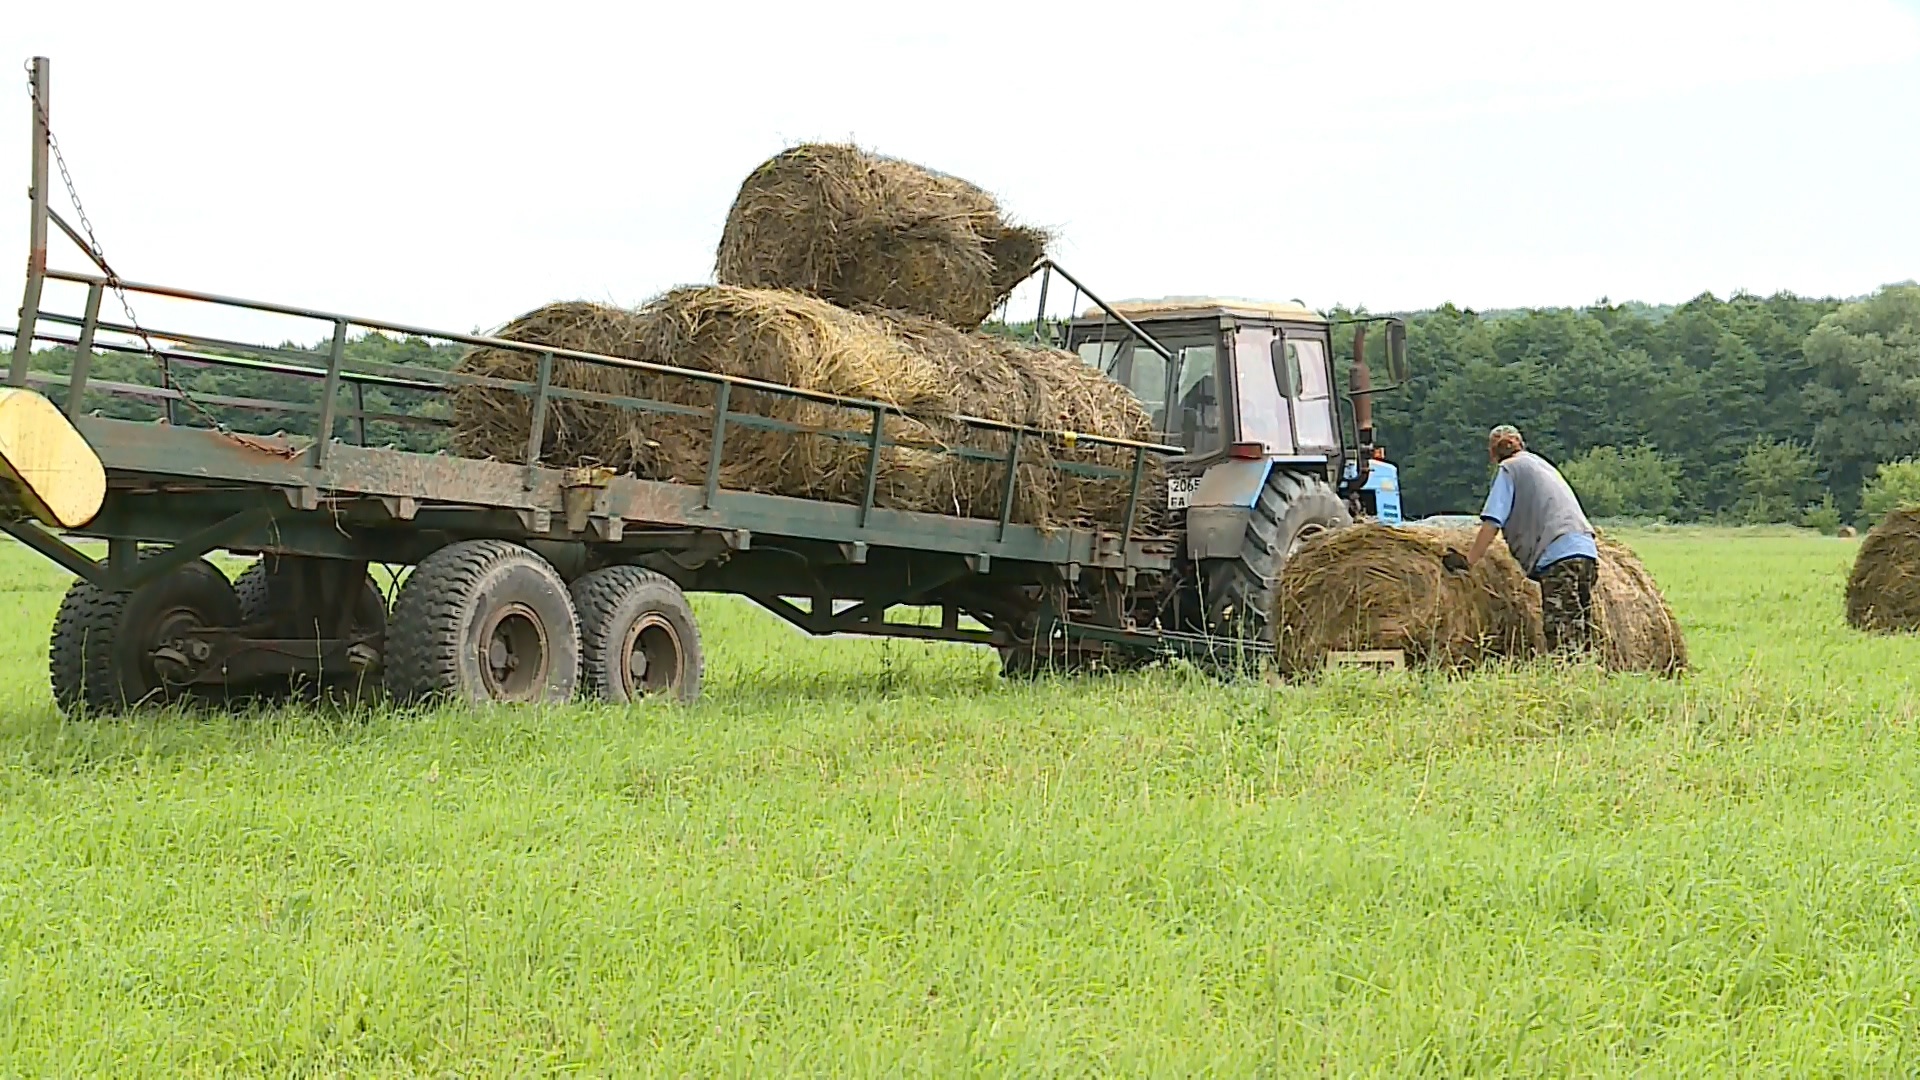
170,405
1040,315
83,353
330,397
873,463
1013,475
720,400
1133,496
359,412
36,232
537,419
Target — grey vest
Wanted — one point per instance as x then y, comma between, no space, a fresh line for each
1544,509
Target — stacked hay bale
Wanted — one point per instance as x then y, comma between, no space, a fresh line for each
1374,586
861,230
849,274
911,362
1883,592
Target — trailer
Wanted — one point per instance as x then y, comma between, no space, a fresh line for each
527,581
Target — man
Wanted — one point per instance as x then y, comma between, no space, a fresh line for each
1532,506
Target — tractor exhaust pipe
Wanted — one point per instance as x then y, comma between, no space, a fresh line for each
1360,381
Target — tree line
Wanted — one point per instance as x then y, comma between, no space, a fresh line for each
1749,409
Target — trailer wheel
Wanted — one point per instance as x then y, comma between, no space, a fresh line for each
483,621
112,652
256,606
1292,509
638,637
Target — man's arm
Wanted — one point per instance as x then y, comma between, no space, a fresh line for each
1493,516
1482,540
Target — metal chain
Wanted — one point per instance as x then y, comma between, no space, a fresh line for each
100,256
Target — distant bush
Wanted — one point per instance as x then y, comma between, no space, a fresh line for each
1822,515
1893,486
1637,482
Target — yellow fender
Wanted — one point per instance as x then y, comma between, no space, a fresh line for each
47,470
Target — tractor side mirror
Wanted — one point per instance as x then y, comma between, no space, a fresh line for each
1285,368
1397,351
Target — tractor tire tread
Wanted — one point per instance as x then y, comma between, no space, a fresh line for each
1244,586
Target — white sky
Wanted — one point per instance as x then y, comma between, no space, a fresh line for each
455,165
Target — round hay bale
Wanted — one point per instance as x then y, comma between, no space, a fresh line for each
760,334
1372,586
913,362
836,222
1847,532
1635,627
1883,592
997,378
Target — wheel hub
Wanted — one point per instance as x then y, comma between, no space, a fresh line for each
514,654
175,655
652,656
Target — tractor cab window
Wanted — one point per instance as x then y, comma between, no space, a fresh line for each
1314,420
1182,398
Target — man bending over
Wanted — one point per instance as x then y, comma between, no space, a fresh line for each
1547,531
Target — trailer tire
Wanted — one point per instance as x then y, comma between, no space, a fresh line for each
100,657
638,637
369,617
483,621
1292,509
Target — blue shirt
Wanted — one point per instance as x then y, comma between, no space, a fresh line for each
1500,504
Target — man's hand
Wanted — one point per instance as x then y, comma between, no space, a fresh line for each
1455,562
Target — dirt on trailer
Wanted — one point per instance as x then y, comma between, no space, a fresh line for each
915,363
859,229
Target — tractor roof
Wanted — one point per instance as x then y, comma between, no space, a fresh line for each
1200,307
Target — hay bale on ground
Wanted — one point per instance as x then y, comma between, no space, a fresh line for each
857,229
1381,587
1636,628
1374,586
913,362
1883,592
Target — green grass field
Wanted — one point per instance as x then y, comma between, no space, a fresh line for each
868,857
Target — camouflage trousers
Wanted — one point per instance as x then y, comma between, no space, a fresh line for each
1566,604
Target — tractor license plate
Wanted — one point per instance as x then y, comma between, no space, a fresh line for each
1180,491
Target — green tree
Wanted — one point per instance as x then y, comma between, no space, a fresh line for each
1895,486
1636,482
1777,479
1863,398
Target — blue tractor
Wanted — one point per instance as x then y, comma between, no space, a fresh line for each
1275,454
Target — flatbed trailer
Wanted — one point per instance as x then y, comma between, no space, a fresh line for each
530,581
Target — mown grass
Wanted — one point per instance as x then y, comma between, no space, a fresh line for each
867,857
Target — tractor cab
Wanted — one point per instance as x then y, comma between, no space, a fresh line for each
1273,454
1237,380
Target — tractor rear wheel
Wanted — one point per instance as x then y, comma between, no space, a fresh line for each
483,621
637,636
1292,509
112,652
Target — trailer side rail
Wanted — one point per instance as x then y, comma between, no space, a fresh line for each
171,347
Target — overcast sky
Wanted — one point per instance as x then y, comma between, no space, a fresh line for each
454,165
